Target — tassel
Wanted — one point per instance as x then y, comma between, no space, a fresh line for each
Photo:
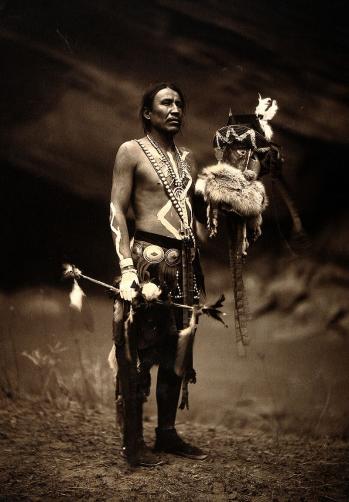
185,337
127,325
212,220
185,395
190,377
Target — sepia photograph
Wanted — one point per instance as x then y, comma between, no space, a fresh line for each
174,295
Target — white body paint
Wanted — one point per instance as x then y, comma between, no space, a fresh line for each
161,216
116,231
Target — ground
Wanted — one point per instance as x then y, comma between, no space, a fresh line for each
54,454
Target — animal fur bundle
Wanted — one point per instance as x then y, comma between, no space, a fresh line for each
223,185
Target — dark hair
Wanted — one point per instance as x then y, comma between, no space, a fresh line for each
148,99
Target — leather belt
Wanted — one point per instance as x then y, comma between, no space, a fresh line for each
158,240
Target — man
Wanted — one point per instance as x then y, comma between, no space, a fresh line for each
156,179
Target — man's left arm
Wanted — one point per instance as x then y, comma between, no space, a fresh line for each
199,205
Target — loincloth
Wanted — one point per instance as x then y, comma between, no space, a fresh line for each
155,327
159,259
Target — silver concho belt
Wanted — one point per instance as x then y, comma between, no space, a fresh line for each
156,254
153,254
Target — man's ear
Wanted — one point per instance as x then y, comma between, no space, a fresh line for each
146,113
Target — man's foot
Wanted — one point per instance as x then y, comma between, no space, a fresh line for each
168,441
145,457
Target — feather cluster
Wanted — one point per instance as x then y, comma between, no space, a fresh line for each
265,111
150,291
213,310
266,108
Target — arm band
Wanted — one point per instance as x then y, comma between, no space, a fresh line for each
126,262
126,270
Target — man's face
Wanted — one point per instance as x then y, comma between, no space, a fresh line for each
166,114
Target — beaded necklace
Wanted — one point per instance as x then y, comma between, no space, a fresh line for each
179,178
171,193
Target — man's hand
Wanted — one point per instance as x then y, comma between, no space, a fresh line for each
127,283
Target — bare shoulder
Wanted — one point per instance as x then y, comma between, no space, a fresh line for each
127,158
129,149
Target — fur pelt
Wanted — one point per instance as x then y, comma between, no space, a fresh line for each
185,338
223,185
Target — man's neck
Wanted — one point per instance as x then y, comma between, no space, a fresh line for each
165,141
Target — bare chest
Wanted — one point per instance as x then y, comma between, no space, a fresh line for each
147,179
154,179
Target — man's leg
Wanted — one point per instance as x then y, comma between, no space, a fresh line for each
130,393
168,388
127,380
167,394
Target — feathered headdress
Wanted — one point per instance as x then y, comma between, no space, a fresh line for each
247,131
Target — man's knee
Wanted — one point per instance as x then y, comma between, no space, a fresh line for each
167,378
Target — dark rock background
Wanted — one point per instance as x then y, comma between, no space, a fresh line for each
72,76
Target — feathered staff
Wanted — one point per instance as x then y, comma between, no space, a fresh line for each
244,152
212,310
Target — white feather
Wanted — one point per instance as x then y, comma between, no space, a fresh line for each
265,111
266,108
76,295
266,128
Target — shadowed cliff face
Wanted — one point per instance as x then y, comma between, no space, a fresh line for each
73,74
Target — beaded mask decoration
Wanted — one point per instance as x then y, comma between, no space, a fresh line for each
247,132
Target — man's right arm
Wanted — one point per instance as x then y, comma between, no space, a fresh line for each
122,186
